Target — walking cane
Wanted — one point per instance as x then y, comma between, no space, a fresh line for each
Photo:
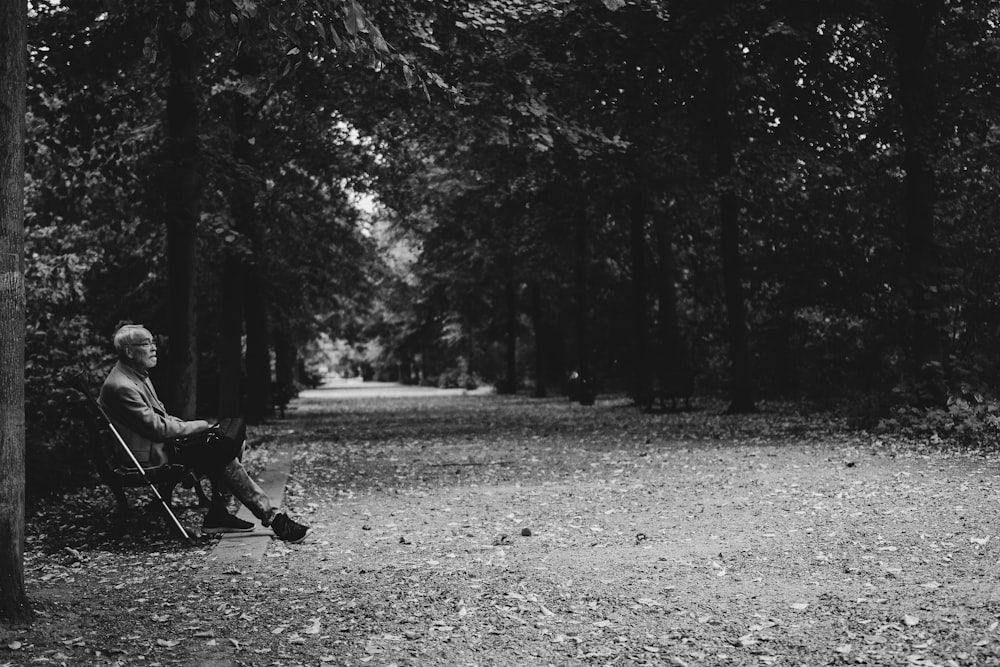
121,441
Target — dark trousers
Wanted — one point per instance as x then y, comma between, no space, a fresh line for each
212,450
218,454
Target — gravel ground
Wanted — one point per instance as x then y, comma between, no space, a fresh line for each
453,529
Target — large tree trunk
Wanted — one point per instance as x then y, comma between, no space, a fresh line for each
676,375
722,103
736,313
13,598
241,209
558,346
230,346
911,24
668,323
469,330
581,270
537,324
642,378
182,209
246,219
285,368
285,360
258,349
258,359
509,385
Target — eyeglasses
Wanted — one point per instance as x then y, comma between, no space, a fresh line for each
145,343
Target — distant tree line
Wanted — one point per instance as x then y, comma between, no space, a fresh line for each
744,199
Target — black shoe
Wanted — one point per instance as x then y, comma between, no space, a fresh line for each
224,522
288,530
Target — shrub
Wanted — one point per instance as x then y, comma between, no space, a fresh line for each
968,420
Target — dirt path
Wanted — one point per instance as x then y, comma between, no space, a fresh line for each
485,530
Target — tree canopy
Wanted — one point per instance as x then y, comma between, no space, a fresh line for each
664,198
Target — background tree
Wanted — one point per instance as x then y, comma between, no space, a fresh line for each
182,205
814,103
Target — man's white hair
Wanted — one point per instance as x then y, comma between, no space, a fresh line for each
129,334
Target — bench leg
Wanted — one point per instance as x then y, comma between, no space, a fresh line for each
121,499
167,492
193,481
203,500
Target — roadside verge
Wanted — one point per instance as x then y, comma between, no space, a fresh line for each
235,547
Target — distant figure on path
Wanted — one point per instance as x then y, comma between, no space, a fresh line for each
137,412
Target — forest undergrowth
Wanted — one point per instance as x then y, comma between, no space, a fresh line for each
489,530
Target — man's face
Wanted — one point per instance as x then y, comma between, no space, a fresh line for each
143,351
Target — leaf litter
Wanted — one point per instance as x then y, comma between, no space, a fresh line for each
678,539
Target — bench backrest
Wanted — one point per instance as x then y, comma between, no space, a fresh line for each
101,441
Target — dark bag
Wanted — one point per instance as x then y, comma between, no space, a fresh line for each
213,448
232,429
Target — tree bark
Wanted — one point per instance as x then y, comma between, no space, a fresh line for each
258,359
560,352
722,105
285,359
285,367
581,271
537,324
182,209
736,313
510,298
246,220
911,25
642,378
230,345
666,290
241,201
675,372
14,605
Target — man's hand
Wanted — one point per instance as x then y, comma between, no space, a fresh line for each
202,425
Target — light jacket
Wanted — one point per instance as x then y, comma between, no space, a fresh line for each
136,411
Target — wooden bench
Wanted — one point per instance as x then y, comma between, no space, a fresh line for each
103,448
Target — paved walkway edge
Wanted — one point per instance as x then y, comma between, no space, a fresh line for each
236,546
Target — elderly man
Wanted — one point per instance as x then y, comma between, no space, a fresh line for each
156,437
